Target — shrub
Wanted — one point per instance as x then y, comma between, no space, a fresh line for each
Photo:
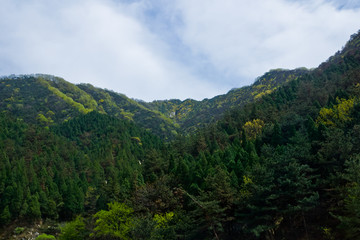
44,237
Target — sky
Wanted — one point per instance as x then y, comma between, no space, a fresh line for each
161,49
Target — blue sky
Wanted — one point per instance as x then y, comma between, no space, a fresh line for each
160,49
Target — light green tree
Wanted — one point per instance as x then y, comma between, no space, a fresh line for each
339,114
115,222
163,228
253,128
74,230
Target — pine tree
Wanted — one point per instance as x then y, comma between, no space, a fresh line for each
33,211
5,215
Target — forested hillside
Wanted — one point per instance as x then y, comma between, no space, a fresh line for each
282,163
48,100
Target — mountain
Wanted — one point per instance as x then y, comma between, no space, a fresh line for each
49,100
281,160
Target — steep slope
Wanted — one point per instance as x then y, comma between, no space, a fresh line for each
119,105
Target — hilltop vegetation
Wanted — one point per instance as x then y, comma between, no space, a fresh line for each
278,160
49,100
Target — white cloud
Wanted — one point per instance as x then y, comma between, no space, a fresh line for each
243,39
158,49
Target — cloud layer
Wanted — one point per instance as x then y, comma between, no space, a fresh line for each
157,49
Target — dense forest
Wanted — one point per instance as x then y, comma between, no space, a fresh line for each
279,159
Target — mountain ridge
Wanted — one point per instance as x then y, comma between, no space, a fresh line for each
59,100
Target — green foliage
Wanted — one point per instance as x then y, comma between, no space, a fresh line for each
19,230
143,227
66,98
350,218
162,221
5,215
44,237
44,120
115,222
33,210
163,228
339,114
74,230
253,128
328,233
